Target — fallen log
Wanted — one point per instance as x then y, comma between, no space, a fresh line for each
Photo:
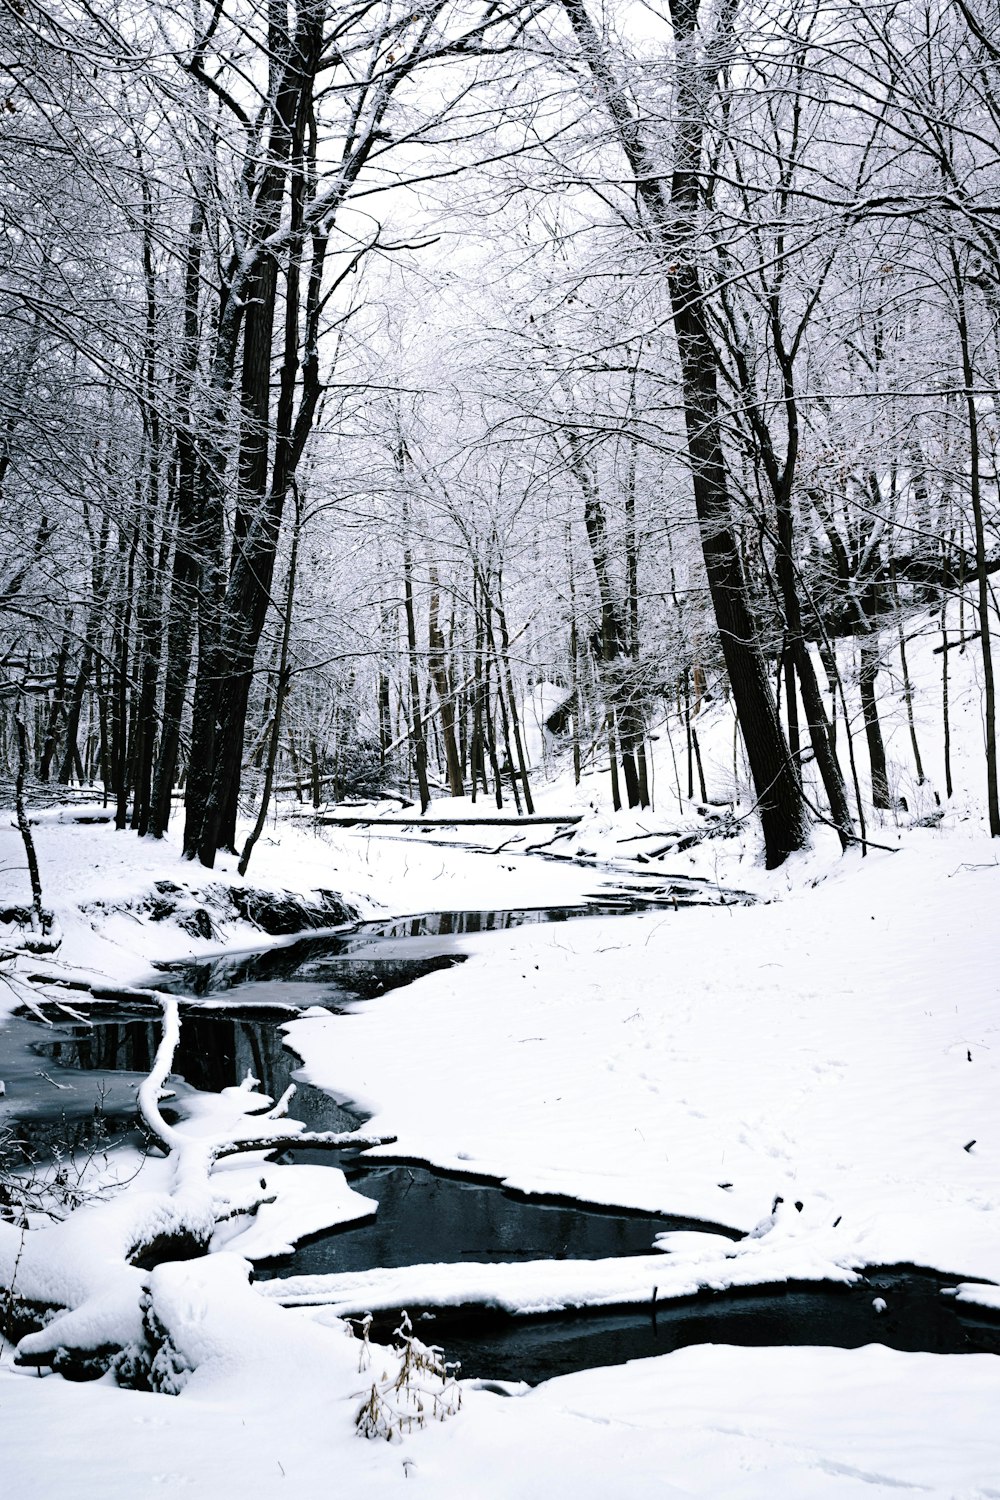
75,1293
525,821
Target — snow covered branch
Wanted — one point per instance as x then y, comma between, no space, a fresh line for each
77,1293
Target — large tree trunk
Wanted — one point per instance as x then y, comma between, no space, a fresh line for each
220,713
182,608
148,620
979,533
147,652
673,222
121,719
90,639
281,690
775,778
58,705
873,729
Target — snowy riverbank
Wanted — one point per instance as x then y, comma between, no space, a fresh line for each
837,1047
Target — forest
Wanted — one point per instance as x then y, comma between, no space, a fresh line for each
499,530
378,377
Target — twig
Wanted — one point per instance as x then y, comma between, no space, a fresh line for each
564,833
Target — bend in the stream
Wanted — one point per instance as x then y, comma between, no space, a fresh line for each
428,1216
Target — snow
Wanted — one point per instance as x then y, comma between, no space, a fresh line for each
818,1072
81,1264
375,873
978,1293
306,1200
612,1064
548,1286
711,1421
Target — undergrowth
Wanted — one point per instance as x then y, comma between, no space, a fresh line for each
422,1388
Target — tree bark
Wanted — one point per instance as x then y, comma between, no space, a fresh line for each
416,718
614,654
873,729
979,533
183,605
673,215
279,704
58,705
437,666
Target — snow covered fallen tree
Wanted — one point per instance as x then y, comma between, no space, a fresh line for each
786,1248
82,1293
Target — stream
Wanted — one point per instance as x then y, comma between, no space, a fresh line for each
74,1081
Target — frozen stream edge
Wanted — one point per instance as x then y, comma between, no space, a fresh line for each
532,1288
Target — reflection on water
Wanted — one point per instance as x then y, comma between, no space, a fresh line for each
371,956
215,1051
424,1216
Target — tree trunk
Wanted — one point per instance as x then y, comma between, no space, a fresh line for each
417,739
674,223
979,533
148,600
614,654
58,706
873,729
279,704
122,697
220,715
515,718
183,606
437,666
501,700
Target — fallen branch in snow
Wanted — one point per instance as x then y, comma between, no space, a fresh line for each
151,1089
963,640
562,833
99,991
654,833
330,1140
464,821
861,839
252,1137
78,1291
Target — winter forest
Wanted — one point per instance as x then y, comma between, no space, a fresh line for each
465,466
368,370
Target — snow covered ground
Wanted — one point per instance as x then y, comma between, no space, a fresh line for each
839,1047
711,1421
836,1045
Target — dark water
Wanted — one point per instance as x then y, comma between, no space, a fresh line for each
423,1215
59,1098
428,1217
917,1318
67,1071
63,1077
369,957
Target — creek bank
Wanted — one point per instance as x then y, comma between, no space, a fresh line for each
428,1215
203,911
343,959
492,1344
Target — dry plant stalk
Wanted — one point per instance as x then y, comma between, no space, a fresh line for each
423,1388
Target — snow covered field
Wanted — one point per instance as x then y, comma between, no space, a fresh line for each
834,1046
